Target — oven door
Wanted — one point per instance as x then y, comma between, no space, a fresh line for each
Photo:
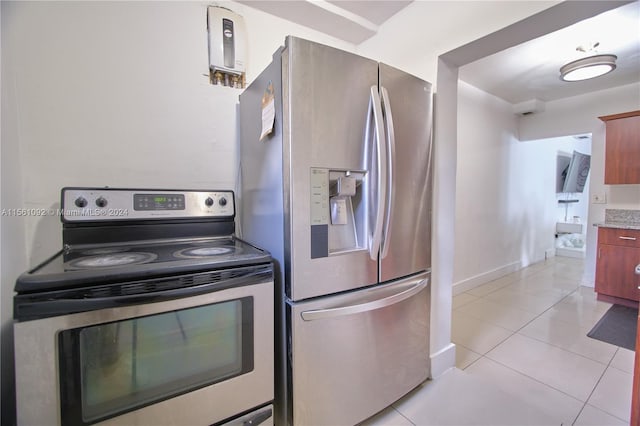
193,360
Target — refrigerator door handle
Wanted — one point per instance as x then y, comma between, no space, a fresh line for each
366,306
391,155
377,165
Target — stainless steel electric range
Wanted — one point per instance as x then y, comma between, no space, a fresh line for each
153,313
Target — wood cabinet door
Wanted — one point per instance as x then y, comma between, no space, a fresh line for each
615,271
622,151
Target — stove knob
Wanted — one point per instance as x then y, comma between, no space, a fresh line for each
222,201
209,201
101,202
81,202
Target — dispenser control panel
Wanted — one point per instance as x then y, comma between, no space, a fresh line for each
338,211
319,196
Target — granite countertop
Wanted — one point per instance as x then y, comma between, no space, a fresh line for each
617,225
620,219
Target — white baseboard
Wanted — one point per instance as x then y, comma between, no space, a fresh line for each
570,252
549,253
443,361
473,282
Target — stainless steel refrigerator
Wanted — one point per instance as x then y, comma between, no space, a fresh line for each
336,183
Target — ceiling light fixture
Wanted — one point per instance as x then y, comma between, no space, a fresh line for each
586,68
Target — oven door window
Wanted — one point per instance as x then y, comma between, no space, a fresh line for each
112,368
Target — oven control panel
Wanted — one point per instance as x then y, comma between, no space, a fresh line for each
107,204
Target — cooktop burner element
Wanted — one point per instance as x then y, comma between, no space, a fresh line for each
110,260
106,250
197,252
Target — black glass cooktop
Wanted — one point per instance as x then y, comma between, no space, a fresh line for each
104,263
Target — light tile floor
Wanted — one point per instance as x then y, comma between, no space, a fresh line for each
523,358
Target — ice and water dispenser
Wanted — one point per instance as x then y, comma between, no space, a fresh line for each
338,213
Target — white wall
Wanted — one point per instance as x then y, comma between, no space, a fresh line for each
490,219
111,93
116,94
579,114
506,204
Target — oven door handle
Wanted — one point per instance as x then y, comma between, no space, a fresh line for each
29,310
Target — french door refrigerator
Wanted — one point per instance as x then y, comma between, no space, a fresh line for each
335,160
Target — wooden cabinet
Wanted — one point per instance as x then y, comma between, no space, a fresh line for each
622,148
618,256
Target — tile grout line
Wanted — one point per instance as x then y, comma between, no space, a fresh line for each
594,389
532,378
516,331
518,279
556,346
528,377
550,344
599,379
393,406
533,319
569,351
526,324
606,366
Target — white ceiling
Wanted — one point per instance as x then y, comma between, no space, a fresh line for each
531,70
351,21
521,74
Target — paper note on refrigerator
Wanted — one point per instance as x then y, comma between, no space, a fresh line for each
268,111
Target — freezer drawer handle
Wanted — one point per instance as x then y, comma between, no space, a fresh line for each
367,306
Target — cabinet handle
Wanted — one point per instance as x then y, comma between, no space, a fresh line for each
637,271
628,238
